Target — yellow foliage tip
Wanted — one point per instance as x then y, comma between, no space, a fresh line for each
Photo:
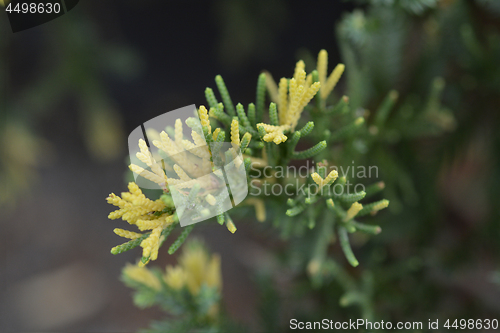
235,132
322,65
203,113
274,133
126,234
143,276
216,133
383,204
134,189
300,74
332,80
210,199
231,227
246,137
317,179
179,135
157,175
155,178
133,205
327,85
196,268
353,211
160,222
332,176
115,200
175,277
282,100
150,245
304,100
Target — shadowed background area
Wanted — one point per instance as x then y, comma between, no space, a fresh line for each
72,89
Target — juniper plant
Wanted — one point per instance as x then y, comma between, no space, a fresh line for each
322,207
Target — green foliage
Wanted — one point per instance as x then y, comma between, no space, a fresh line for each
439,58
346,246
194,305
181,239
403,111
228,103
192,309
374,45
129,245
261,94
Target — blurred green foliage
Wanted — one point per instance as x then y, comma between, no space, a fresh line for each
68,72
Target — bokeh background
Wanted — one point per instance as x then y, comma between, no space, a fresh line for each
72,89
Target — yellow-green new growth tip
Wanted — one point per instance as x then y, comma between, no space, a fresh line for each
353,211
332,176
374,207
327,85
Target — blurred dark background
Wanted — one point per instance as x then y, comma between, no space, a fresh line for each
73,88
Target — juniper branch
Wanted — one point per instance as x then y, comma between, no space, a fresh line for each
180,240
260,98
316,149
226,99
